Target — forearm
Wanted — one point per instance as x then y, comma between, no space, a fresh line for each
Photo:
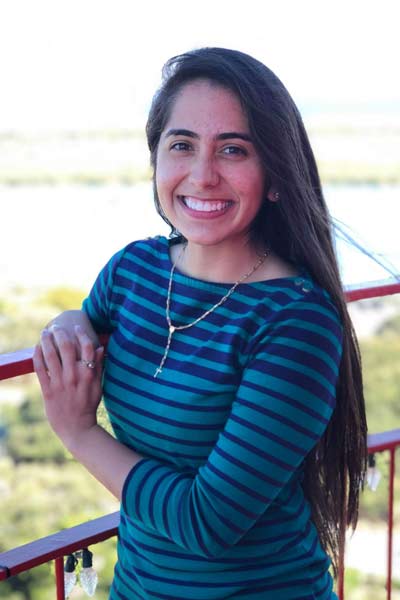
72,392
104,457
69,319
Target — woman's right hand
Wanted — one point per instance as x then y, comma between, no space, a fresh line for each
70,382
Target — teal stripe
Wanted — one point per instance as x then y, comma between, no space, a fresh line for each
299,367
291,343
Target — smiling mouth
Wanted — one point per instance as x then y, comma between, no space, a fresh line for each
205,205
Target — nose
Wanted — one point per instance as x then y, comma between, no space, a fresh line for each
203,172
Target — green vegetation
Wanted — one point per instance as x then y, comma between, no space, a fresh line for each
43,177
121,156
353,172
359,586
43,490
23,317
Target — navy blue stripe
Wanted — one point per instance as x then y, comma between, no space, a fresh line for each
153,495
254,450
274,415
245,466
235,505
167,495
236,484
151,416
267,434
306,409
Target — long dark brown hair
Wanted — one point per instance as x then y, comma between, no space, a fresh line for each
297,228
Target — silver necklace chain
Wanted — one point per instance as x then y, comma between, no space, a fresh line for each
172,328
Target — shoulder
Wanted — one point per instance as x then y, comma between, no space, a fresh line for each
148,252
157,246
136,257
300,329
310,320
311,303
296,303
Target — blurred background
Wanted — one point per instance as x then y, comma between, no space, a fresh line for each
77,78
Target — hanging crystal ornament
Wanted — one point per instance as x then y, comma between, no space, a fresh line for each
88,576
373,473
69,574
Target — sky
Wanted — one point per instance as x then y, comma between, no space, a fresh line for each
94,64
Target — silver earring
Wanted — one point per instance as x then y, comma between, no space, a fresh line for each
273,197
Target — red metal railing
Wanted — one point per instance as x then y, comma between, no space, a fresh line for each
57,546
379,442
373,289
20,362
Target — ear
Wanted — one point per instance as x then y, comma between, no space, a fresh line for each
273,195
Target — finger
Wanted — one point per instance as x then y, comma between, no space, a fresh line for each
66,348
40,368
50,354
86,345
99,358
93,369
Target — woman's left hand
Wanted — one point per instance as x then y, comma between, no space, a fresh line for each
71,387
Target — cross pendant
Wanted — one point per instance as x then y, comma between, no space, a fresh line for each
171,330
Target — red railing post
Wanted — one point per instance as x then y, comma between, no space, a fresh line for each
59,567
390,524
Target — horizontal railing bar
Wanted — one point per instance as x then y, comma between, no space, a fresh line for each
75,538
19,362
372,289
58,544
16,363
386,440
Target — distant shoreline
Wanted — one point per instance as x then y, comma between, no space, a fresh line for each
330,173
347,152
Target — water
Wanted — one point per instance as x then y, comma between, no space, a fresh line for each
63,235
372,216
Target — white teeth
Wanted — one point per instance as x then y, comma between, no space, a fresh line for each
202,206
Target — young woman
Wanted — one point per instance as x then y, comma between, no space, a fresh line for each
232,378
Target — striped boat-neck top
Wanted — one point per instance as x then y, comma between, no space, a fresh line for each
216,509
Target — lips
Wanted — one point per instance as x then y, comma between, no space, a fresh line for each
205,206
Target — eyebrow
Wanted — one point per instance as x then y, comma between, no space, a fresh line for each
221,136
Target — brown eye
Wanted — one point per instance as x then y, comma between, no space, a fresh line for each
181,146
234,151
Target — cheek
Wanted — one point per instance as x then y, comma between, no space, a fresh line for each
168,176
258,185
251,185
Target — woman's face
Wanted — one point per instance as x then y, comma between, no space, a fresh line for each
209,178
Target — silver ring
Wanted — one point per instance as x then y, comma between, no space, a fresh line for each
89,363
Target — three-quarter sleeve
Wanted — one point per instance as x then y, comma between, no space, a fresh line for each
281,409
98,304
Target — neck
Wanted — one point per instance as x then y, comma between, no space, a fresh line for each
221,264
